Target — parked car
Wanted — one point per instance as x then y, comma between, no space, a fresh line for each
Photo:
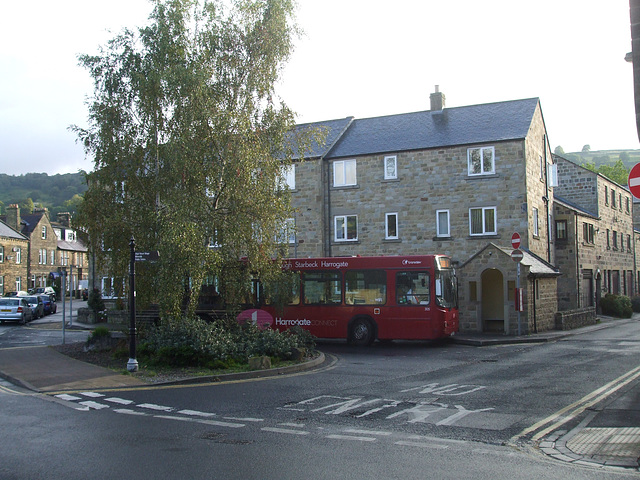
21,293
46,291
49,303
37,306
15,309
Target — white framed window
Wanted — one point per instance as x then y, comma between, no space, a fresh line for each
536,224
71,235
344,173
481,161
482,221
44,232
287,233
443,228
1,254
391,226
1,285
346,228
542,168
288,177
18,251
53,257
18,284
42,256
390,167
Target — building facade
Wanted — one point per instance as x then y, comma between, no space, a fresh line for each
13,259
595,240
446,180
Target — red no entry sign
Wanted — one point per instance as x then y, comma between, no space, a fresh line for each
517,255
634,180
515,240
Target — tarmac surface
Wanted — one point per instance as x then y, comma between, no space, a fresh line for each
601,439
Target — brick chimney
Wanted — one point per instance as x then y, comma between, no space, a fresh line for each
13,217
43,210
437,100
64,218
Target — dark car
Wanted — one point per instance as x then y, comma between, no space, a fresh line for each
49,303
35,302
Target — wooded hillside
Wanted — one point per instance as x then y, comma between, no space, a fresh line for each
58,193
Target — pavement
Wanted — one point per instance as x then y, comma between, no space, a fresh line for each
608,434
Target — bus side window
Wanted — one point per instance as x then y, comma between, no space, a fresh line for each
322,288
365,287
413,288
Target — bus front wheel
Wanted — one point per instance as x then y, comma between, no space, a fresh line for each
361,332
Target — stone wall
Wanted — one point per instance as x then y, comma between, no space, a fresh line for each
570,319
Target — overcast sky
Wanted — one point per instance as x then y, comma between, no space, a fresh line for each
361,58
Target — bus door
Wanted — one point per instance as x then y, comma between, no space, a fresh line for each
409,317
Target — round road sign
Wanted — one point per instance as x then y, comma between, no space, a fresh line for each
634,180
515,240
517,255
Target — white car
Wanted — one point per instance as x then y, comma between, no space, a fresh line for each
15,309
45,291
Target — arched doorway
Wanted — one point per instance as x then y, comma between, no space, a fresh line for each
492,301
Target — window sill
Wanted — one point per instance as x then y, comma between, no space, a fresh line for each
345,187
392,240
443,239
483,176
482,237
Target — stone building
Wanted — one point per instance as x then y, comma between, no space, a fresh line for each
13,259
446,180
50,246
595,240
72,253
42,247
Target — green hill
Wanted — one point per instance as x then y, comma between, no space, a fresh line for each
55,192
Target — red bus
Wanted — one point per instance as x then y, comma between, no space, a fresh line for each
364,298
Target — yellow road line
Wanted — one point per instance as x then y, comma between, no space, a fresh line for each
571,411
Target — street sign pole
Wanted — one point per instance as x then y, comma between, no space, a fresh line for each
517,256
132,364
517,292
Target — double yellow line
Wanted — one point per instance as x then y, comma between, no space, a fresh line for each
569,412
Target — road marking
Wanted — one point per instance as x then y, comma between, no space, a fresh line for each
352,438
257,420
571,411
152,406
405,443
294,425
69,398
284,430
195,413
128,411
199,420
368,432
94,405
119,401
92,394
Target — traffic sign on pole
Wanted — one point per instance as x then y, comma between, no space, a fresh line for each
634,180
515,240
517,255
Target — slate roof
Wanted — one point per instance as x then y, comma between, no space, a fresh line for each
574,206
492,122
8,232
332,130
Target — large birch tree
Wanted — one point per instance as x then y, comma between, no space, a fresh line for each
189,142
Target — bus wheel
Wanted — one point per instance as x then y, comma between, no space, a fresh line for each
361,332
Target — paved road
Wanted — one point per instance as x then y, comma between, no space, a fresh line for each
406,410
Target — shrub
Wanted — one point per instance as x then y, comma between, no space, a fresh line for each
194,342
98,333
635,304
616,305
